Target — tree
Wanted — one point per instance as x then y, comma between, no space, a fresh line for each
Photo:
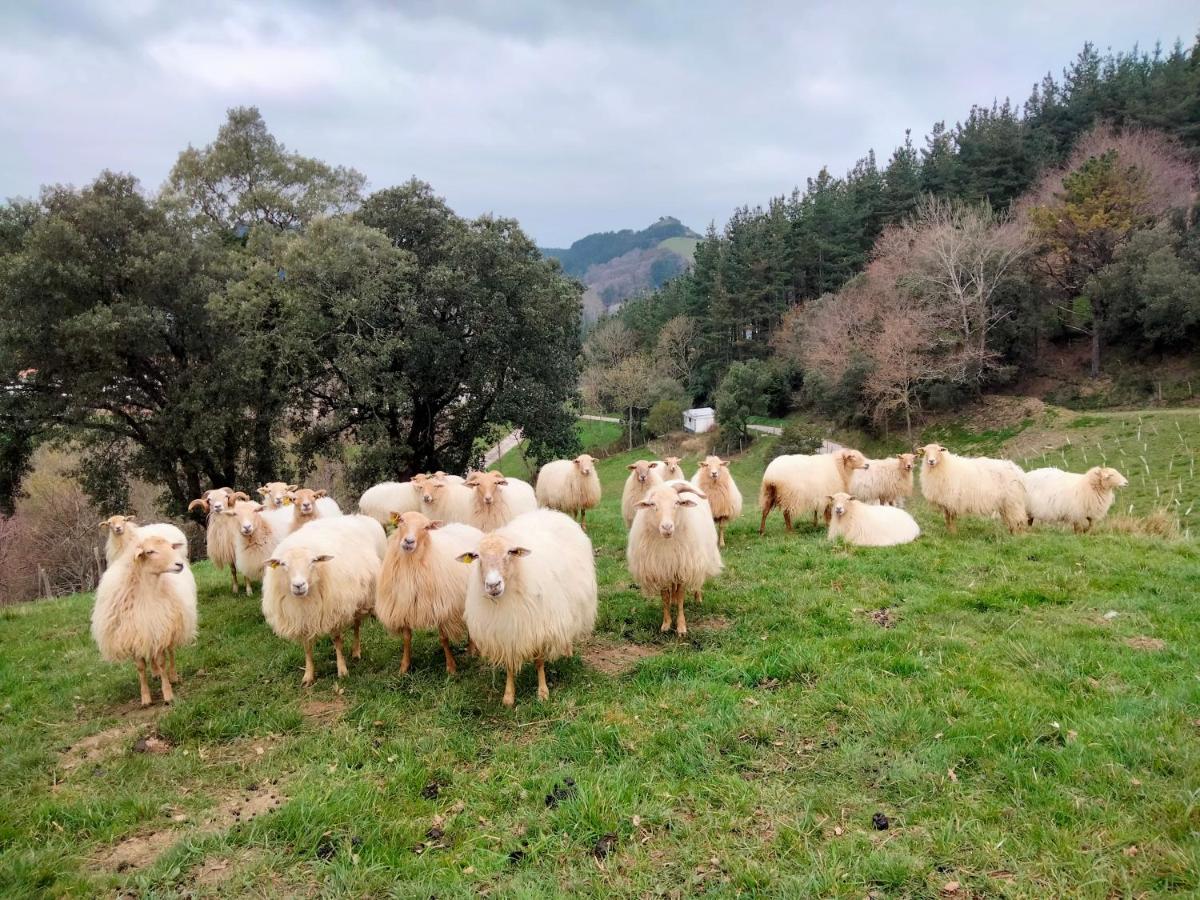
676,349
741,394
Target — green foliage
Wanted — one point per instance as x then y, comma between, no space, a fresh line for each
800,437
742,394
665,416
608,245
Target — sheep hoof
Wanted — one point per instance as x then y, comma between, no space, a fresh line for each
543,693
682,632
664,628
307,682
508,701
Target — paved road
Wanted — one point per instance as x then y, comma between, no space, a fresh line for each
601,418
506,443
766,429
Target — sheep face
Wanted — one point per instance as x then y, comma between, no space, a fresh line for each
712,466
303,569
642,468
851,460
305,500
907,461
411,530
1107,479
487,485
275,493
118,524
933,454
246,512
499,564
159,556
661,504
584,463
431,489
839,503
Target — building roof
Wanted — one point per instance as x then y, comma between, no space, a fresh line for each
700,411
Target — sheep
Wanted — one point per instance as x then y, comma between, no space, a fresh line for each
724,498
309,506
570,485
498,500
259,531
973,486
221,533
860,523
274,493
534,594
671,470
382,500
643,475
446,500
123,531
421,585
801,484
449,479
672,547
321,580
145,609
887,481
1081,500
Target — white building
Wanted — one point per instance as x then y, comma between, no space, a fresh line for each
701,419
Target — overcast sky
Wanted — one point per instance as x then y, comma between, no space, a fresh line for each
571,120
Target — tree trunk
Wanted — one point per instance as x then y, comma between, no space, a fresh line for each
1096,350
908,423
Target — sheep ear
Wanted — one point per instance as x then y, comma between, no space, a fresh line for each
502,481
324,557
653,464
576,461
685,502
644,504
725,462
396,518
263,491
468,558
631,466
472,483
520,551
239,495
258,507
103,524
434,525
177,545
293,487
274,563
321,493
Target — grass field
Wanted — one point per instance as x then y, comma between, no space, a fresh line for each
684,246
594,437
1024,711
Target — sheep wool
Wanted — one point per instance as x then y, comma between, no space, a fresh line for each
259,531
123,533
1072,498
309,506
531,594
973,486
321,581
800,484
498,500
221,532
887,481
724,498
643,475
570,485
859,523
446,500
275,493
670,470
384,500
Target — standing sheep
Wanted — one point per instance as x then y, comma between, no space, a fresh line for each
498,500
800,484
869,526
309,505
1068,497
221,533
672,546
671,470
887,481
321,580
382,500
259,531
123,532
275,493
447,501
643,475
570,485
973,486
724,498
422,586
534,594
145,609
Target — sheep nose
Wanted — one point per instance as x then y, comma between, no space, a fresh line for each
408,543
667,529
487,500
494,587
299,588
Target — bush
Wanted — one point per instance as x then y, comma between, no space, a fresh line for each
665,416
800,437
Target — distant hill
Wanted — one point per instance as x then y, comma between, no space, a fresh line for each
617,265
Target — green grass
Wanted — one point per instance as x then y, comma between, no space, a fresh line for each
766,420
1017,742
595,438
684,246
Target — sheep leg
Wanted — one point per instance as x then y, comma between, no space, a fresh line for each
510,688
171,664
451,668
951,524
543,691
165,681
233,576
310,671
666,599
356,652
472,650
787,521
762,526
246,579
154,670
583,519
142,683
681,621
721,533
406,659
341,659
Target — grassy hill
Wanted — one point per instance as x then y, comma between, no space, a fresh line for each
1023,710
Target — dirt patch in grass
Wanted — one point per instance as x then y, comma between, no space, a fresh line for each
1141,642
96,747
711,623
615,659
884,618
323,711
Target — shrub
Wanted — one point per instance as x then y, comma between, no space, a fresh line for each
800,437
665,416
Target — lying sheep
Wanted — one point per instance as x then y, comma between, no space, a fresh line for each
498,500
670,470
800,484
724,498
887,481
534,594
259,531
570,485
275,493
1068,497
145,609
643,475
422,586
973,486
123,532
672,546
446,500
221,534
309,506
382,500
321,580
859,523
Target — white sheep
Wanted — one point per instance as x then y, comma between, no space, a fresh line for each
533,596
145,609
446,500
670,470
1080,500
321,580
123,532
643,475
221,533
860,523
309,506
259,531
498,500
275,493
422,586
800,484
724,498
570,485
973,486
672,547
887,481
382,500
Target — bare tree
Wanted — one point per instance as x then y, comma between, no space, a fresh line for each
675,353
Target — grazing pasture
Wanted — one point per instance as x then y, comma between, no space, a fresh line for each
1021,713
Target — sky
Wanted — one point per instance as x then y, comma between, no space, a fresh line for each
572,117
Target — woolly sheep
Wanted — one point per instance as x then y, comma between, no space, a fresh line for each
448,501
422,586
449,479
724,498
145,609
670,470
1068,497
259,531
321,580
672,546
869,526
498,500
382,500
274,493
533,594
123,531
309,506
800,484
973,486
570,485
643,475
887,481
221,533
